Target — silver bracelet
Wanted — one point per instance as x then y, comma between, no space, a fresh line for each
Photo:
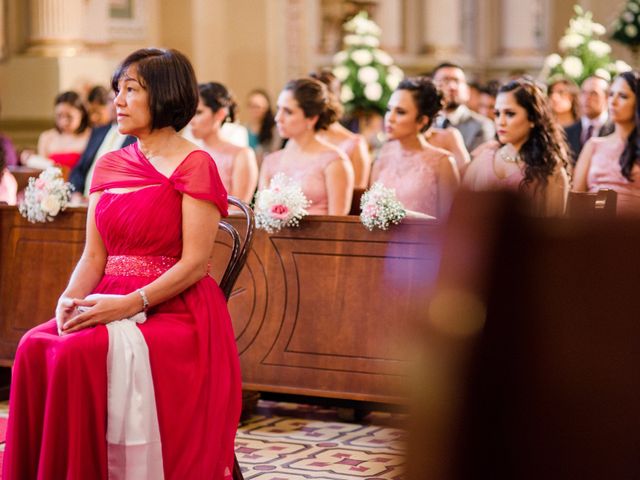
145,300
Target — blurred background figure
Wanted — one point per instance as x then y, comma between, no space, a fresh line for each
475,89
487,101
594,121
237,165
99,101
8,183
612,161
563,98
261,124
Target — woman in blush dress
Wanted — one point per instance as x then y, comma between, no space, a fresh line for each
354,145
425,177
613,161
152,219
530,155
8,183
323,171
449,139
237,165
64,144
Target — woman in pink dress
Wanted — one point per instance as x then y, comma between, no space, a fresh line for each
425,177
237,165
613,161
152,219
530,155
323,171
8,183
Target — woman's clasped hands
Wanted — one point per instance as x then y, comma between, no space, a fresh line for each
74,314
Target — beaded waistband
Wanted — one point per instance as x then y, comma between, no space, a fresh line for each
138,266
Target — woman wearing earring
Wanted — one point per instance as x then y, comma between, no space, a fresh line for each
530,155
324,172
237,165
613,161
425,177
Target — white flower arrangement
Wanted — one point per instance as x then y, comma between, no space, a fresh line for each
282,204
583,52
380,207
45,196
626,28
367,73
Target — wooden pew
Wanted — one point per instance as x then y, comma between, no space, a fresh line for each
319,310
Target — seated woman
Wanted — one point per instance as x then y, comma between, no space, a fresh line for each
8,183
354,145
563,100
425,177
324,172
237,165
613,161
530,154
449,139
152,219
64,144
261,124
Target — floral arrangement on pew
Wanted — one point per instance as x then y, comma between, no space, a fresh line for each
380,207
45,196
282,204
583,53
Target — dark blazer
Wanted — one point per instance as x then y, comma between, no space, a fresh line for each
574,136
78,175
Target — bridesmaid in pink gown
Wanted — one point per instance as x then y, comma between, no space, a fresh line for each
425,177
237,166
612,161
152,219
324,173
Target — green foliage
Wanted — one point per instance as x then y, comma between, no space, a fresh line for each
626,29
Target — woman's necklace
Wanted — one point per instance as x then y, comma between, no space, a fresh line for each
509,154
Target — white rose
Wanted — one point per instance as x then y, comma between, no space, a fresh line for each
602,73
599,48
51,205
368,75
598,28
362,57
628,16
383,57
340,57
631,30
346,94
370,41
570,41
351,40
580,26
572,66
633,7
622,66
553,60
341,72
393,80
373,91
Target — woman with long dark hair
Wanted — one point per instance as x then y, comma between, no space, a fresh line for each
261,124
563,100
531,153
613,161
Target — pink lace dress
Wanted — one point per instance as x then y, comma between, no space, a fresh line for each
604,172
414,175
58,400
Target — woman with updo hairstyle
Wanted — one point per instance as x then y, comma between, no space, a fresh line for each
323,171
237,165
531,153
613,161
424,177
354,145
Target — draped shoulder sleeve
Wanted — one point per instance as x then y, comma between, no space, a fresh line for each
198,177
124,168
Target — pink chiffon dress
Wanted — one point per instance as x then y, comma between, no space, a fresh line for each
604,172
58,402
225,158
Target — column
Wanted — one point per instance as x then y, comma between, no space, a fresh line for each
389,17
55,27
523,29
442,26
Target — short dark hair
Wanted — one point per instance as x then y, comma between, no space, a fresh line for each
168,77
427,97
313,97
216,96
446,65
98,94
73,98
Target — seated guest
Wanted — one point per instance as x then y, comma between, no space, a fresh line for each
487,101
449,139
530,154
8,183
99,102
475,128
237,165
324,172
8,150
354,145
424,177
594,121
563,99
64,144
612,161
261,124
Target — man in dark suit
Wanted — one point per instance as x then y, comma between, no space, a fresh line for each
595,119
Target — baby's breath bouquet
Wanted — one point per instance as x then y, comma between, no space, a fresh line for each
583,53
283,204
45,196
367,73
380,207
